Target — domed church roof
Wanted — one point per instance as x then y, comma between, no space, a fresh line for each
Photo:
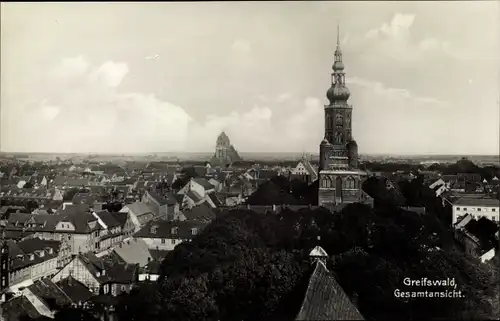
338,92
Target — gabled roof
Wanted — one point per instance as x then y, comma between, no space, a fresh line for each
194,196
325,299
139,208
20,306
179,230
202,212
74,289
49,293
115,271
204,183
473,201
463,221
215,199
120,217
108,219
134,251
318,251
167,199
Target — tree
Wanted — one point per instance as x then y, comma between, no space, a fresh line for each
142,303
74,313
273,192
247,266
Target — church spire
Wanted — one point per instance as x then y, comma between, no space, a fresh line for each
338,36
338,64
338,90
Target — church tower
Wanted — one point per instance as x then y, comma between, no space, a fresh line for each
339,178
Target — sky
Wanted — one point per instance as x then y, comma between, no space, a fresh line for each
146,77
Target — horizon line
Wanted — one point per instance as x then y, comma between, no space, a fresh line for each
204,152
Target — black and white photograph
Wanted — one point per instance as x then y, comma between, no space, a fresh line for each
250,160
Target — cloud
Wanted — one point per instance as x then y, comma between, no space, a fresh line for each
72,67
397,28
283,97
84,111
394,39
241,46
394,93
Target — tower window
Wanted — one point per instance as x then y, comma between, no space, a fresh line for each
350,183
326,182
339,138
339,120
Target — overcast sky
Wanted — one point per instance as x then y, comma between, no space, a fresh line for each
161,77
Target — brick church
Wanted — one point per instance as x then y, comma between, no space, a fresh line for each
340,178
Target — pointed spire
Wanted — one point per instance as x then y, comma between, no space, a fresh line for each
338,35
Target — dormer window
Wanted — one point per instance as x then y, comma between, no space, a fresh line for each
153,229
32,256
174,230
194,231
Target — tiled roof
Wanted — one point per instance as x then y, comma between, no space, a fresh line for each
115,271
200,170
180,230
194,196
121,218
167,199
158,255
472,201
108,219
32,222
134,251
215,199
76,291
81,222
204,183
30,252
325,299
49,293
139,208
70,182
202,212
19,306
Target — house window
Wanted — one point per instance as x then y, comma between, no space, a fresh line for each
458,208
493,209
478,209
162,241
173,241
124,288
494,218
465,208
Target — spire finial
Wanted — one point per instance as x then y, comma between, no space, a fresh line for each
338,34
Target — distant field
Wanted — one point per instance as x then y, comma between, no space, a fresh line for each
261,156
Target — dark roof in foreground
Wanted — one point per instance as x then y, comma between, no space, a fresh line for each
325,299
76,291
